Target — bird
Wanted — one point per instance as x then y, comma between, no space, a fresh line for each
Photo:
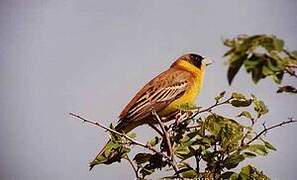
176,86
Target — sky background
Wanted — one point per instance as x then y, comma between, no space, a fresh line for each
91,56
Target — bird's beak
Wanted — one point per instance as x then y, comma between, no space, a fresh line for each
207,61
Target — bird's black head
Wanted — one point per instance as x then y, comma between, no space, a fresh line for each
195,59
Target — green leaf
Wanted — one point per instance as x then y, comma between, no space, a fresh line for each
259,106
268,145
229,52
245,173
234,67
278,77
238,96
275,62
99,160
254,65
227,131
154,141
189,174
132,135
267,43
147,170
124,150
249,172
251,63
110,147
239,100
267,71
258,149
278,44
257,74
220,96
294,53
241,103
245,114
232,161
228,42
181,151
187,107
228,175
249,155
142,158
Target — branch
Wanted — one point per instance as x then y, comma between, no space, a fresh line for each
265,130
290,71
197,159
289,54
156,129
133,167
211,107
165,133
146,146
107,129
169,145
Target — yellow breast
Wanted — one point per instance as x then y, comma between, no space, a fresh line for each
189,97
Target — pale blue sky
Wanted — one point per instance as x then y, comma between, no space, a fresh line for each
58,56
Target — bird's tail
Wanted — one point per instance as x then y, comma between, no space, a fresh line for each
111,152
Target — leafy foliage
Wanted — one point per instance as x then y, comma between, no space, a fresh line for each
218,142
246,173
116,149
262,56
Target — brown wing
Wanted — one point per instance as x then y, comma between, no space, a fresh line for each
157,94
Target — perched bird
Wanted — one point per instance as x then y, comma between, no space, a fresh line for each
178,85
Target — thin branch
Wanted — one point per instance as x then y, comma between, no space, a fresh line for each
156,129
197,163
169,145
165,133
133,167
291,65
133,141
211,107
289,54
265,130
108,129
291,72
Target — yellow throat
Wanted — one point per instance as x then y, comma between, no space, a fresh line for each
193,90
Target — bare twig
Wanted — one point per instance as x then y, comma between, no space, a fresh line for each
133,166
265,130
165,133
108,129
197,158
211,107
291,72
133,141
289,54
169,145
291,65
156,129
